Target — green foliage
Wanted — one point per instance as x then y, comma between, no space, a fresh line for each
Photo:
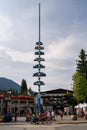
80,78
12,91
80,87
71,100
24,87
82,64
30,92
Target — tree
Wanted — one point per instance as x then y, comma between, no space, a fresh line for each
80,78
30,92
71,100
80,87
13,91
82,64
24,87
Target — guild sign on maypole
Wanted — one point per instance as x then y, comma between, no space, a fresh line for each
39,52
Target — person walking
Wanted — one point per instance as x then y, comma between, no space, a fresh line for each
52,115
15,116
61,114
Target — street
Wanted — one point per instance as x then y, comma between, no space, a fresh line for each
45,127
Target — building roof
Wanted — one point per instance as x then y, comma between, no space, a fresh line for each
59,91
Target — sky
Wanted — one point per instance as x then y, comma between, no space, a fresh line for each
63,33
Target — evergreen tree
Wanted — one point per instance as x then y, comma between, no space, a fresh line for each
30,92
82,64
80,78
24,87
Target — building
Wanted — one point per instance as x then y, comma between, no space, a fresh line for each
50,100
54,99
15,103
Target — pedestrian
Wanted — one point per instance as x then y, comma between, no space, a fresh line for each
15,116
52,115
27,115
61,114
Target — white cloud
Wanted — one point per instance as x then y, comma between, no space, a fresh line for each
16,56
20,56
5,28
62,48
63,52
59,54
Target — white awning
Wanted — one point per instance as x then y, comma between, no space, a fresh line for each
81,105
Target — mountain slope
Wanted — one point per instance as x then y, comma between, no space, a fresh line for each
7,84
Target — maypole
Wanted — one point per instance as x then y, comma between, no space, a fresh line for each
39,47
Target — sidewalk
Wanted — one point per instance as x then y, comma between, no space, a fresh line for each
65,120
21,124
68,120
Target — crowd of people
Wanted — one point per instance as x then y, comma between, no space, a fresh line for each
46,116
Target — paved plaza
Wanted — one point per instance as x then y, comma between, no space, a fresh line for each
65,120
